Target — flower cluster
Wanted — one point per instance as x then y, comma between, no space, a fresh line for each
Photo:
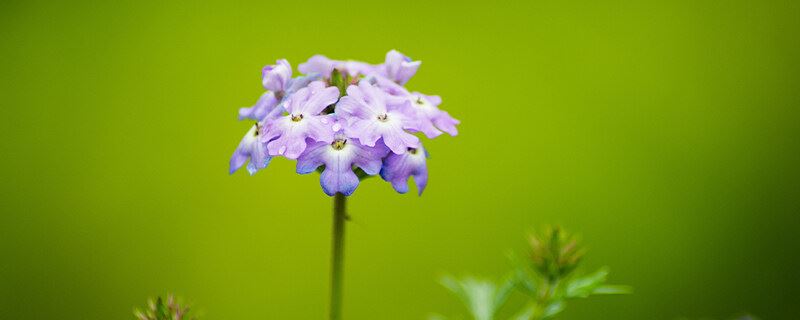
346,119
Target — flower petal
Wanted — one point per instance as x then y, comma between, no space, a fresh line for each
312,158
276,77
259,111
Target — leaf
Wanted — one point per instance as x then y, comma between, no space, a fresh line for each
554,308
612,289
582,287
436,317
481,297
526,280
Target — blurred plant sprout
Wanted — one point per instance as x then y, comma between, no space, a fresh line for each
159,310
548,280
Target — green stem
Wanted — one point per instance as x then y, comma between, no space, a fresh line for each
337,255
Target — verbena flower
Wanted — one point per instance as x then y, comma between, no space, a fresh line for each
347,119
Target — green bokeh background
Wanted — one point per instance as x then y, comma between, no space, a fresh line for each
665,132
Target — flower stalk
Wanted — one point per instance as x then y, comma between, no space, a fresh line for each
337,255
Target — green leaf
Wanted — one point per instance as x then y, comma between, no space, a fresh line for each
612,289
437,317
554,308
582,287
526,280
481,297
526,313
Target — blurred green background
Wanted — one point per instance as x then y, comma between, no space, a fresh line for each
665,132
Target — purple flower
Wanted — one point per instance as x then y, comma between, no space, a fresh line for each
398,167
250,148
369,119
286,135
323,66
339,158
398,67
371,130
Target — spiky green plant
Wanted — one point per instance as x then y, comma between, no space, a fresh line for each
548,279
158,309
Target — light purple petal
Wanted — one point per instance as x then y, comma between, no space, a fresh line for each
312,157
311,100
250,148
276,77
397,168
366,131
320,128
301,82
398,140
344,182
446,123
398,67
289,146
319,100
259,111
318,64
370,159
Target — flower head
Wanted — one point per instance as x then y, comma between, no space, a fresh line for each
356,122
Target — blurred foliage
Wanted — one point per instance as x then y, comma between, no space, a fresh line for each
548,279
158,309
745,316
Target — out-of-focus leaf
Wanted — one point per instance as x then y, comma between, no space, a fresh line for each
436,317
612,289
553,309
582,287
505,289
526,313
526,280
481,297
